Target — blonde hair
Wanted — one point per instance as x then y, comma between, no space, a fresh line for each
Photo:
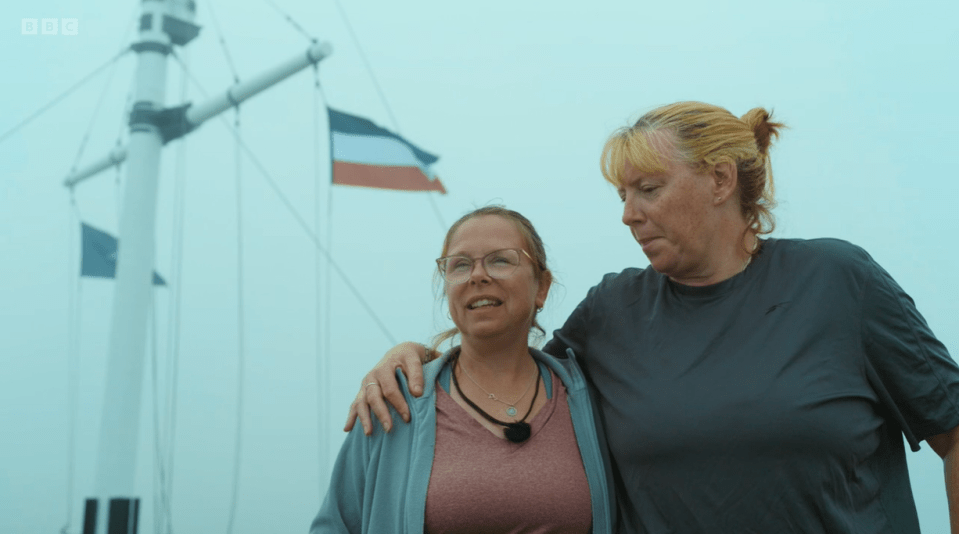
703,135
534,245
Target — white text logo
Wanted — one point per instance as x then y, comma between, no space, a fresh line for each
49,26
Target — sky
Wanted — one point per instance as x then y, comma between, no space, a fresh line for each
517,99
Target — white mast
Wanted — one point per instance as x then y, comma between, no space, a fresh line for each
163,24
116,461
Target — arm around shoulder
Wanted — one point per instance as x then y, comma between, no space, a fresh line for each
573,333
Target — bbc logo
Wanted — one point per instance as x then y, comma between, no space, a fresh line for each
49,26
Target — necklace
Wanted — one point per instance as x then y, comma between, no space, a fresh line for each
510,406
516,432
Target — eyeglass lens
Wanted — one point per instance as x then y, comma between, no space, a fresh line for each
498,264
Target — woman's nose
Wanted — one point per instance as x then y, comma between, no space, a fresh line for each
631,213
478,272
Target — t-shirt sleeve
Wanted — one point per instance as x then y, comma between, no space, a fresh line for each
572,335
914,367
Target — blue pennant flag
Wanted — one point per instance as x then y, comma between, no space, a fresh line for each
100,255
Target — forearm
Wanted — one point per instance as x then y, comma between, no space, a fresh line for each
945,446
951,471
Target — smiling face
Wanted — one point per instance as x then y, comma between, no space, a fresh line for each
672,215
510,302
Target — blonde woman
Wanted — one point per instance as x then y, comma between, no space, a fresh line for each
747,384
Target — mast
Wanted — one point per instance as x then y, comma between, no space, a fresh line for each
162,25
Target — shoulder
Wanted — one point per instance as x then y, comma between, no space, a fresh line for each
826,247
626,277
401,435
431,372
563,366
822,253
624,284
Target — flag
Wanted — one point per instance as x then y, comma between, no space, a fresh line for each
100,255
366,155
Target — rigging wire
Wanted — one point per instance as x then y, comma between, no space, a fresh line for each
328,280
436,211
323,331
382,95
366,63
316,241
226,49
292,22
93,117
127,109
376,84
173,324
118,192
159,461
265,174
241,356
43,109
118,168
159,473
73,354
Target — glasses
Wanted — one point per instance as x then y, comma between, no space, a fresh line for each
498,264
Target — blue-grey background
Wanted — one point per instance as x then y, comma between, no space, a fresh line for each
517,99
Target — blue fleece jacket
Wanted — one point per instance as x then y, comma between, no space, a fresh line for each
379,482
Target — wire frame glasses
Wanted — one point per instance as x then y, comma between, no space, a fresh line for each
497,264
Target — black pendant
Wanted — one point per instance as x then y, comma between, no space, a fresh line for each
517,432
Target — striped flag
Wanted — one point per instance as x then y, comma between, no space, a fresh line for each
366,155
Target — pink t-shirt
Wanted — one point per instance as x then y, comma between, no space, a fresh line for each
482,483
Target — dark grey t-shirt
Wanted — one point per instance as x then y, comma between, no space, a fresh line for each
772,402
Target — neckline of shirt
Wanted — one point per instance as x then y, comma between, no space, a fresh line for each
727,285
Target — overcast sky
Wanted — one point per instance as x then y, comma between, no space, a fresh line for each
516,98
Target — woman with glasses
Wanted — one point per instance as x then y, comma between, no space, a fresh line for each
747,384
504,438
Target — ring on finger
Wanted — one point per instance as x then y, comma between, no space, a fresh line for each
370,384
